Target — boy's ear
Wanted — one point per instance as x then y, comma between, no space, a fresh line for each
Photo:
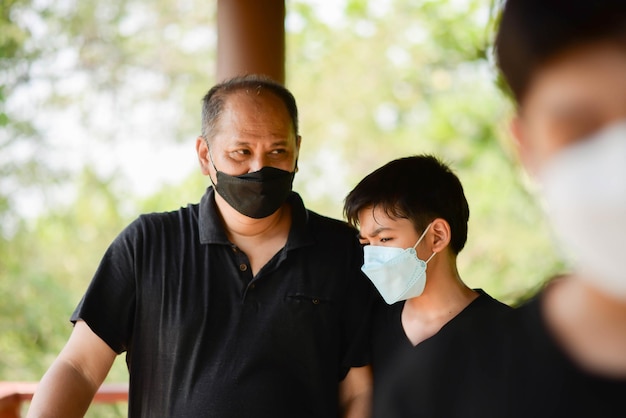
441,234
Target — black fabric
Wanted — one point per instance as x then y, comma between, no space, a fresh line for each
390,342
513,368
258,194
205,338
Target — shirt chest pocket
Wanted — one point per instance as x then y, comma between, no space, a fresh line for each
309,298
311,313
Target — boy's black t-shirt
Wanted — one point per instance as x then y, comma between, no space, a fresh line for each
389,341
513,368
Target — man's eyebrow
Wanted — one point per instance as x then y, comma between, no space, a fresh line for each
241,143
280,143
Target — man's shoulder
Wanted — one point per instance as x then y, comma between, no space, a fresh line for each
191,210
151,222
317,222
325,224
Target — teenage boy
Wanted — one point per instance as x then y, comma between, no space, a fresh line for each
564,353
412,214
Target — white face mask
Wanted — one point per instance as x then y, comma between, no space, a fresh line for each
584,188
397,273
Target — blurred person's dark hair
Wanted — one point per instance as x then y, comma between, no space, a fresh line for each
418,188
533,32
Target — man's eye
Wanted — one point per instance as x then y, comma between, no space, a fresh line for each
385,239
279,151
241,152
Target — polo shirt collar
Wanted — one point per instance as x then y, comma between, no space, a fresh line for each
210,221
212,231
300,234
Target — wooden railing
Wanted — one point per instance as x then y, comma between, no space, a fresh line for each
13,394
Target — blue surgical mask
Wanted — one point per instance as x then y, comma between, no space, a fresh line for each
397,273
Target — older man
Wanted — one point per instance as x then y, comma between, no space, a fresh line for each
245,304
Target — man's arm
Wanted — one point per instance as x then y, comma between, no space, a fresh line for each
69,385
355,393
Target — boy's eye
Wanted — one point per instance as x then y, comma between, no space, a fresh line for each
385,239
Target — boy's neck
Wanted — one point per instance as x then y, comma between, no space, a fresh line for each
444,297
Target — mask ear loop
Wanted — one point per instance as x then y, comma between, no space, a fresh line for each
420,240
423,235
211,161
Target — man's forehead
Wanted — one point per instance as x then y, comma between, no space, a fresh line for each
254,97
266,107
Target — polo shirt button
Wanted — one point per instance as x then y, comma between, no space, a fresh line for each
243,267
316,301
252,286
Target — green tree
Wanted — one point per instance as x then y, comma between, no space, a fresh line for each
389,79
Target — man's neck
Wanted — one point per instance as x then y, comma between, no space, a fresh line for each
241,227
259,239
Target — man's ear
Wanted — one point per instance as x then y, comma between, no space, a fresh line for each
203,155
441,234
298,142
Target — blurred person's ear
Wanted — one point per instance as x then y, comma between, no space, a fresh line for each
522,144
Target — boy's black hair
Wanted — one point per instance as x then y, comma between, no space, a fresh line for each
419,188
532,32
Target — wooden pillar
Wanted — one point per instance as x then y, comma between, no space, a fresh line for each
251,38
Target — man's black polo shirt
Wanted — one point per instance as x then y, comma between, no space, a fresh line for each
205,338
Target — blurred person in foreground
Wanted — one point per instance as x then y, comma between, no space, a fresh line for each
412,214
243,305
563,354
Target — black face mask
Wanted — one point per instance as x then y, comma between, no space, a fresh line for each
258,194
255,195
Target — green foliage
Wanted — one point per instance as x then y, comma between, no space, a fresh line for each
381,81
413,79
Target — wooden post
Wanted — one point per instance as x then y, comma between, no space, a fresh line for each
251,38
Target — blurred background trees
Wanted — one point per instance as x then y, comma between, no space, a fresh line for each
99,110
